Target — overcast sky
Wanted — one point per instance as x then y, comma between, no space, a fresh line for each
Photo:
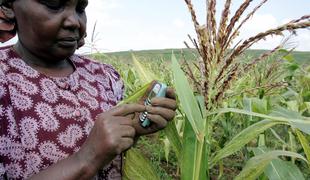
156,24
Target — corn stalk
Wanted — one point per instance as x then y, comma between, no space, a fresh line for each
219,70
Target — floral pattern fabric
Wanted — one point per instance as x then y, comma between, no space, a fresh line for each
45,119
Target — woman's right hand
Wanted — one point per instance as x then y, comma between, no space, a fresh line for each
113,133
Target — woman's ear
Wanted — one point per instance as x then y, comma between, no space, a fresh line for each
7,21
8,12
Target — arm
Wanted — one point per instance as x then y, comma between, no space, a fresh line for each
112,134
73,167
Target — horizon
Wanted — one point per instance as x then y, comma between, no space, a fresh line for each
124,25
296,51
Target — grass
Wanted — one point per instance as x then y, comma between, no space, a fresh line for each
153,149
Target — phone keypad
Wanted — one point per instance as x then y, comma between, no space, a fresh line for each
145,122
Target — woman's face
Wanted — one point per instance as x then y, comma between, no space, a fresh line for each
50,29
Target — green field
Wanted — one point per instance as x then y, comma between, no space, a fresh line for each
271,86
242,114
189,54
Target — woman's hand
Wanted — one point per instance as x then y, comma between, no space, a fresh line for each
160,112
114,131
112,134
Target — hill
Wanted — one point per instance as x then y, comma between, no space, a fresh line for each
189,54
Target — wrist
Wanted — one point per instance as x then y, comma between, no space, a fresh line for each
90,161
87,165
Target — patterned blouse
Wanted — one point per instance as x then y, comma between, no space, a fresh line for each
45,119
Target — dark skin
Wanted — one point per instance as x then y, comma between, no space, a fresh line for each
49,32
64,21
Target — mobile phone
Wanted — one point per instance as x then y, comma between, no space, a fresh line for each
158,90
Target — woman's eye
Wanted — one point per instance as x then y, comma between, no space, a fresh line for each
52,4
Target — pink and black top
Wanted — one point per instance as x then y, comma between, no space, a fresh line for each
45,119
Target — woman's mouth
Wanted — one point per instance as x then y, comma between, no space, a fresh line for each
68,42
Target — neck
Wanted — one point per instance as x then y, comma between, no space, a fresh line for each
34,60
47,66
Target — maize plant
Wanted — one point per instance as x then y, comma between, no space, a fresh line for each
219,69
203,88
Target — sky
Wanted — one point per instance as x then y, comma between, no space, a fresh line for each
157,24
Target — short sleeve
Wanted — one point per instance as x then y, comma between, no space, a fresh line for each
105,75
118,87
117,84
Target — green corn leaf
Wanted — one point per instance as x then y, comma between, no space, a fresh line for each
292,105
289,58
194,159
253,131
243,138
292,143
247,103
276,135
259,105
294,118
285,116
145,75
188,100
307,105
137,167
136,96
261,140
278,169
256,165
202,106
174,138
305,144
290,114
130,79
188,152
167,148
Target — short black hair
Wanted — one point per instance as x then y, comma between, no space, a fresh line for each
6,2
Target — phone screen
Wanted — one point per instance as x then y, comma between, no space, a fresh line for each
154,91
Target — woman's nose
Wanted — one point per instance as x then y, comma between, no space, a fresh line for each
72,20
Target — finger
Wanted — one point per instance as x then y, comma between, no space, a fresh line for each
158,121
170,93
126,109
107,118
164,102
166,113
130,116
127,131
124,120
125,144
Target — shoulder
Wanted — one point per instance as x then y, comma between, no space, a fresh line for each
6,48
95,66
6,53
4,91
104,73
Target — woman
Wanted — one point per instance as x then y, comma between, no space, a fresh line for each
58,113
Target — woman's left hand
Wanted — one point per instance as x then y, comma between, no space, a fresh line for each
160,112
